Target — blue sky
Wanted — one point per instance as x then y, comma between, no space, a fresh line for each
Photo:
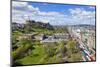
58,7
55,14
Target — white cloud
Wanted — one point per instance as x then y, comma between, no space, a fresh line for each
20,10
48,13
76,11
19,4
27,11
31,8
80,14
75,16
92,7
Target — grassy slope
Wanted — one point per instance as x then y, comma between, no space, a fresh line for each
38,55
35,57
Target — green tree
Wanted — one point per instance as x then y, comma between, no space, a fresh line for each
24,46
71,45
49,50
61,49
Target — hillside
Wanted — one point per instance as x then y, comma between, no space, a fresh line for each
31,24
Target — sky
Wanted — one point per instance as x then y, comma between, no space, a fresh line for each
55,14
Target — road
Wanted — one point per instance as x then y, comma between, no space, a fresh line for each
87,56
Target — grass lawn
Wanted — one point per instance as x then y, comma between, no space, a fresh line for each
34,58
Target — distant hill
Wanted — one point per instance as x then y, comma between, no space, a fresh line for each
39,24
17,26
31,24
78,25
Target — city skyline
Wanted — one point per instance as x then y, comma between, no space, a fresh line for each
55,14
